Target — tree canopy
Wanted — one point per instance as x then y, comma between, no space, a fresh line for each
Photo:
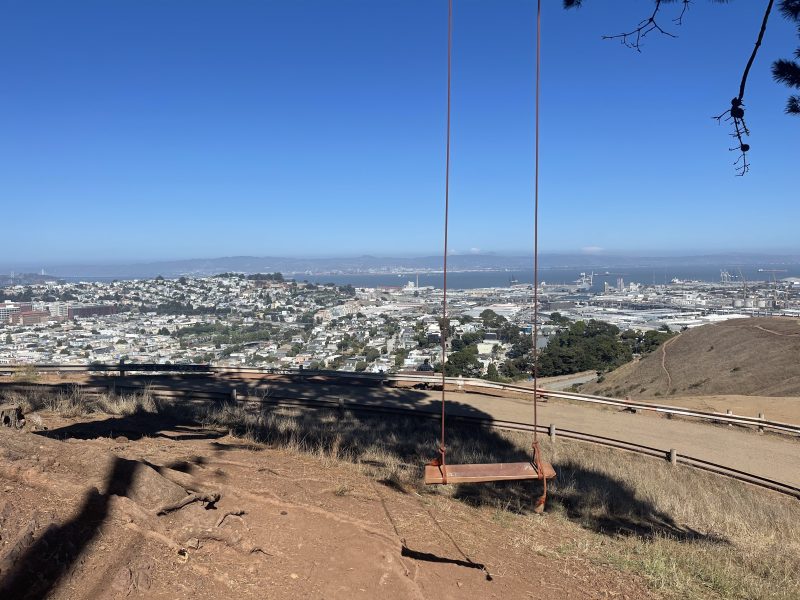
592,345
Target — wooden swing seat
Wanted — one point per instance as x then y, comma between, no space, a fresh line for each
480,473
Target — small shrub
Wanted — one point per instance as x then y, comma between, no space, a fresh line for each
26,374
343,490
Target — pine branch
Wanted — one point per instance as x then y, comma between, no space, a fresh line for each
633,39
786,72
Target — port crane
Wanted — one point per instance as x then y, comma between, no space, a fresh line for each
774,282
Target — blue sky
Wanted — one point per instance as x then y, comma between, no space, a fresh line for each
147,129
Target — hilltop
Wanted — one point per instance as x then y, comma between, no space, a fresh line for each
750,357
287,503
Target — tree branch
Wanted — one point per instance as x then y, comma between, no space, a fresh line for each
735,114
646,26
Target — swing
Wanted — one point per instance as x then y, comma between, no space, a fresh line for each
438,471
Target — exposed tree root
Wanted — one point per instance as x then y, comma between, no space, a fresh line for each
231,513
210,499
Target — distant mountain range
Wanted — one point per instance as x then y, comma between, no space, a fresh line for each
375,264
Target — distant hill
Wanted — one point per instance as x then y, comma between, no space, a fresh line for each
758,357
378,264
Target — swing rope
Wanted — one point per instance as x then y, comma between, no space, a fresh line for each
445,326
537,451
441,462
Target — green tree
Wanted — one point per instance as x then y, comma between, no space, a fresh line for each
400,357
464,362
491,320
592,345
644,343
491,373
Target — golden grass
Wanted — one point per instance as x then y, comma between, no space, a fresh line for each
752,357
26,374
75,402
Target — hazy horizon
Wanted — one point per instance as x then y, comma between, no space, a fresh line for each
357,263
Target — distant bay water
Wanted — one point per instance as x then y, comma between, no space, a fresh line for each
551,275
503,278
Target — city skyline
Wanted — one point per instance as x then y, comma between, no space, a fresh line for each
142,132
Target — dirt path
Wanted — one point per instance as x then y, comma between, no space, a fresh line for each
773,456
776,332
664,360
299,527
562,382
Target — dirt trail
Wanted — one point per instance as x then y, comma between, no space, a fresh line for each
664,360
775,332
297,527
734,447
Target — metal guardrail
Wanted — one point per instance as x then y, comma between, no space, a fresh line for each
172,392
462,383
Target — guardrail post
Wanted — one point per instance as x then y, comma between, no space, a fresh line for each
233,395
552,432
761,427
729,412
673,456
460,383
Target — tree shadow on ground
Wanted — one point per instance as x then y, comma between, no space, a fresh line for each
39,568
590,497
135,427
595,500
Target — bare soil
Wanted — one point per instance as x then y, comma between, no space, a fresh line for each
775,408
79,519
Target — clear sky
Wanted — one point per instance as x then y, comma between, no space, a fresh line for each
147,129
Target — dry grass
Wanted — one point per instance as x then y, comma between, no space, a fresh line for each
26,374
689,534
753,357
75,402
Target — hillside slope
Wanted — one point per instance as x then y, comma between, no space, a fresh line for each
752,357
